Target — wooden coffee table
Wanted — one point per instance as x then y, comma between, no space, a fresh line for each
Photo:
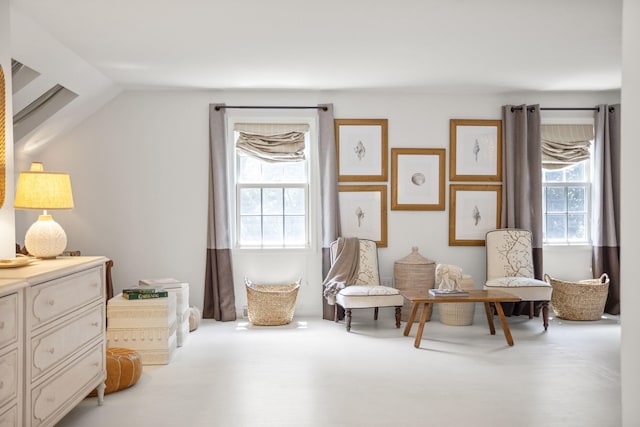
420,298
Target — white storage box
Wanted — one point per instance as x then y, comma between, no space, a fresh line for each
159,357
182,332
180,289
141,313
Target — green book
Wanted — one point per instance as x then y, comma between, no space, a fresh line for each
141,290
136,295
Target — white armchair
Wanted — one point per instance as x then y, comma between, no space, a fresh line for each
366,291
510,268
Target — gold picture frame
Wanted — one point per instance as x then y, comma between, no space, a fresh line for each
363,212
362,149
474,210
417,179
475,150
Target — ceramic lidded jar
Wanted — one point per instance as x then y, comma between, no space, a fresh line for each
414,272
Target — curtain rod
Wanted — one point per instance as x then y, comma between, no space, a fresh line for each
272,107
561,108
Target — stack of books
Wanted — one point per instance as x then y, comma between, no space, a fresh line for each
143,292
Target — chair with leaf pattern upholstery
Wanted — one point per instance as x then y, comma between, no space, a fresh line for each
367,290
510,268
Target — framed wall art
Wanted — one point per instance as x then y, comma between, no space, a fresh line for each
363,212
473,211
417,179
361,149
475,150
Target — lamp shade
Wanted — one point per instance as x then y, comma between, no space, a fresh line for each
38,189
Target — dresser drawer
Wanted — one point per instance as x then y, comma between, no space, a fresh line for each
8,377
55,298
57,344
9,418
49,401
8,319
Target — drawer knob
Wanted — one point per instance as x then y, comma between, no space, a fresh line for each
52,350
51,399
51,301
1,385
2,325
94,324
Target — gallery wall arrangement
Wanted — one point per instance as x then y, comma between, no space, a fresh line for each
418,179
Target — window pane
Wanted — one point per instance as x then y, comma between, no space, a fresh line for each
273,230
576,173
552,176
576,199
294,201
250,230
577,228
272,201
556,228
249,169
556,199
250,201
294,227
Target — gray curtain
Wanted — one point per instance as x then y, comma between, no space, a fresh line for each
605,229
522,181
329,195
219,296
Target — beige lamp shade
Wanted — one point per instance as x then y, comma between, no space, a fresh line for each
38,189
42,190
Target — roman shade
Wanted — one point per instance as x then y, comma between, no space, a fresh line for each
564,145
272,142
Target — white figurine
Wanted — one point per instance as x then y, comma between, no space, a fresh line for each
449,277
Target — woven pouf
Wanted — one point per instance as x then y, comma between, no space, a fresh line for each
124,368
458,313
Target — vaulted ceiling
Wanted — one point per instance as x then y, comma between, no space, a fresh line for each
98,48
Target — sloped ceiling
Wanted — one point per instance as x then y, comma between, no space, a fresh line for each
96,48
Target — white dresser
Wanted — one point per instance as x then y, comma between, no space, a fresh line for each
11,352
63,338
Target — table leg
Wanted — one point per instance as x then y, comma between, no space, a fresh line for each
412,316
423,319
487,309
505,325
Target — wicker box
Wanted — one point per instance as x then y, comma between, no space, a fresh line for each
458,313
414,272
582,300
271,305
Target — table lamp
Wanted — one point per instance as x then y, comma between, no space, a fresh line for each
38,189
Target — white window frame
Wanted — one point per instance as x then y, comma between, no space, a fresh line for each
588,195
312,202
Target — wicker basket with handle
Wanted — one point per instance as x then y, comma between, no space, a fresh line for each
271,305
582,300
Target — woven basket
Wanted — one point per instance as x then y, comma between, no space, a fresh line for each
582,300
414,273
271,305
458,313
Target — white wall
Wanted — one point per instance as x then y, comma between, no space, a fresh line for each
139,175
7,241
630,251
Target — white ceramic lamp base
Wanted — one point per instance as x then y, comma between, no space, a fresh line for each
45,238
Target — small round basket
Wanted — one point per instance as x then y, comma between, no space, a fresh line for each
582,300
271,305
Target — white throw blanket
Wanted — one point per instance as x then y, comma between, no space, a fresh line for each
344,270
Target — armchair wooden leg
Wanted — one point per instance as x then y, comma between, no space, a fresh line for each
530,309
545,314
335,312
398,315
375,313
347,318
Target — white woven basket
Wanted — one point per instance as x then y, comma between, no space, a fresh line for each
458,313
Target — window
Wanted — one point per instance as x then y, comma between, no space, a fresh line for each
272,199
566,196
